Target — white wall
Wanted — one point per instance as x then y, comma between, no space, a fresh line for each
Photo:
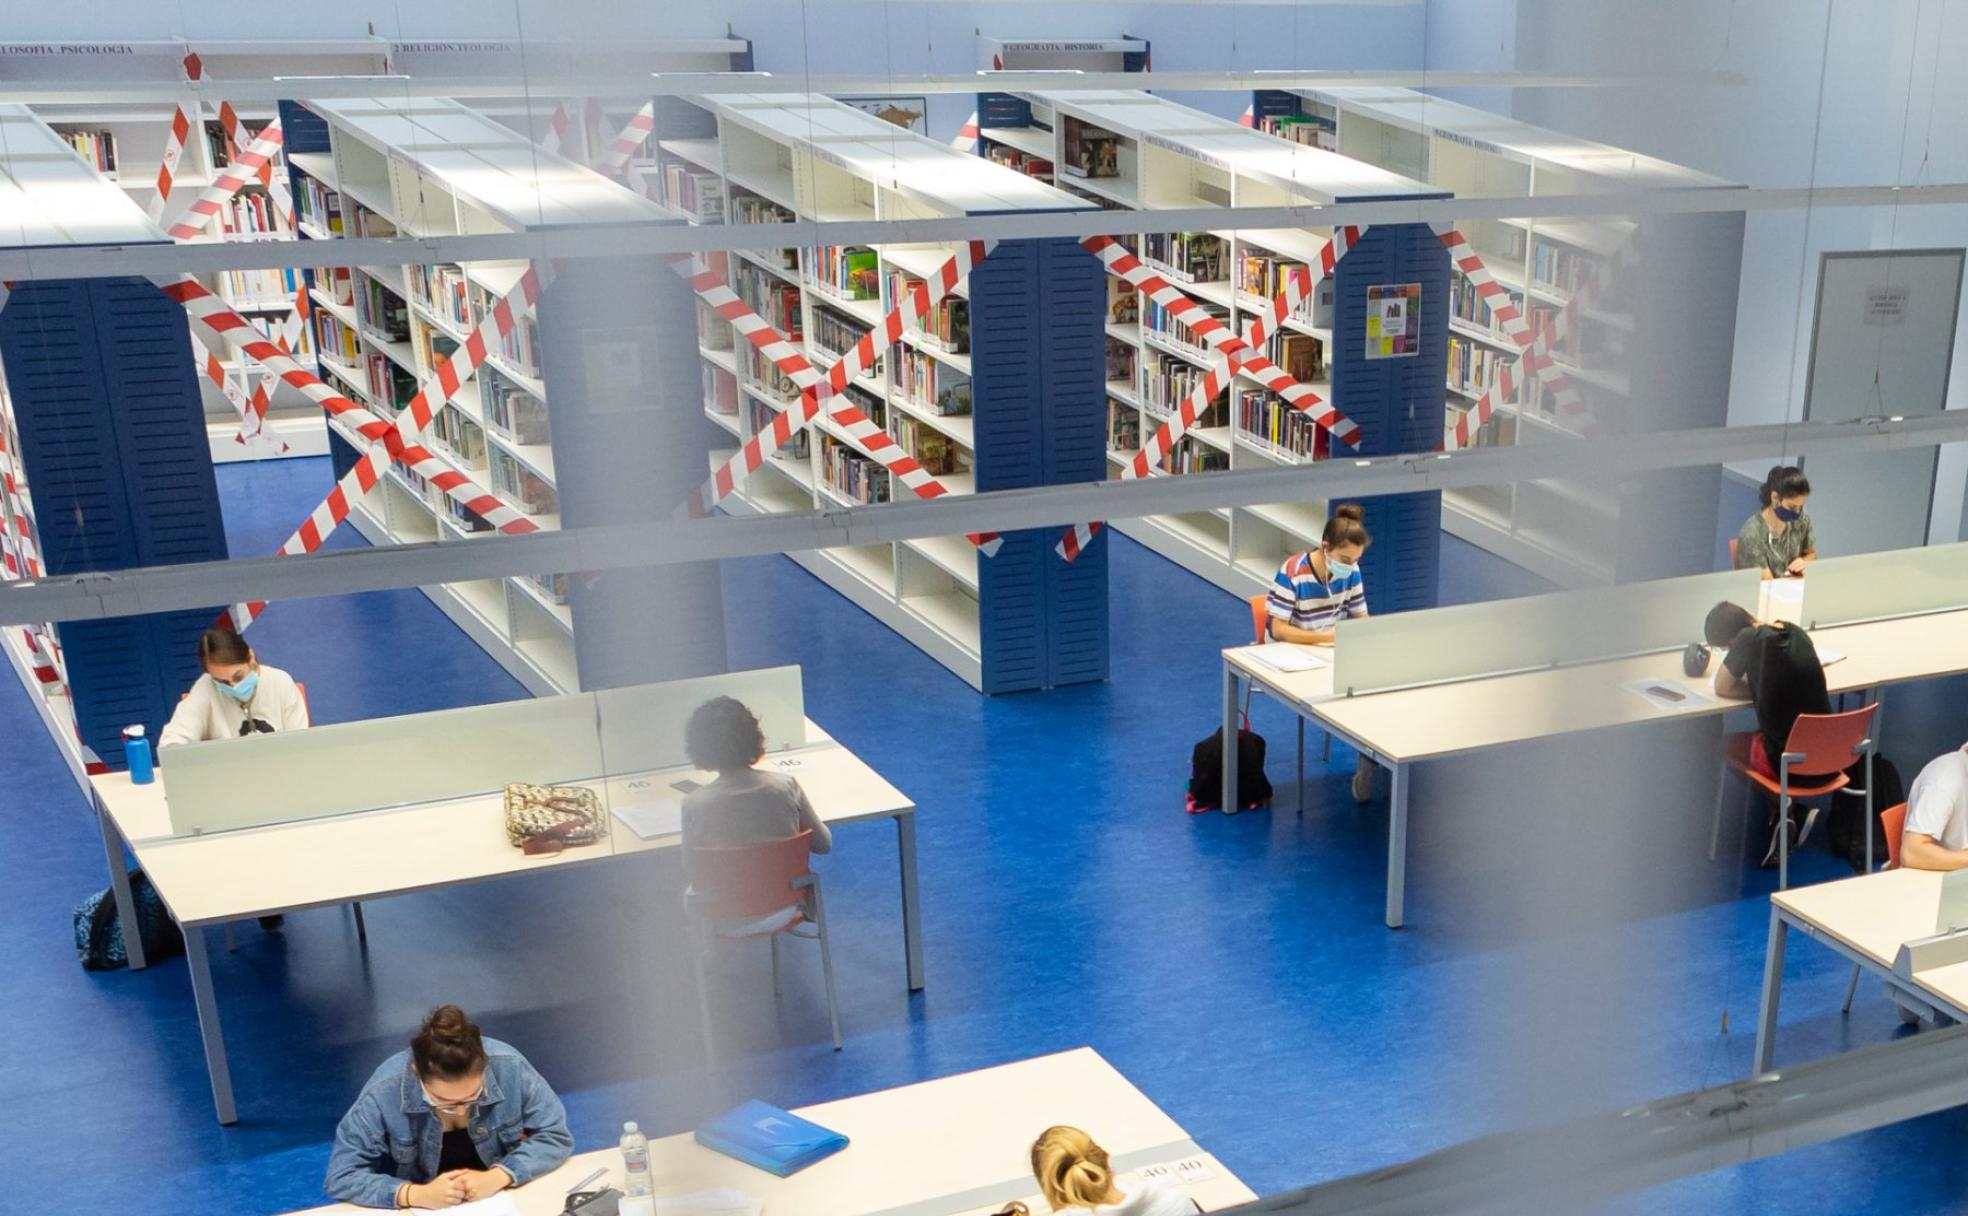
1833,92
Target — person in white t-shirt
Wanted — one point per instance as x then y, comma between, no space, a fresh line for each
236,696
1936,834
1075,1177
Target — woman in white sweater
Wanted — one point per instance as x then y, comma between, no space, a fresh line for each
236,696
1076,1179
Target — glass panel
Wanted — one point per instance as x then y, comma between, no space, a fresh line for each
1870,586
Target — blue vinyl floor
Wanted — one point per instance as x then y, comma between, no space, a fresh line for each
1234,968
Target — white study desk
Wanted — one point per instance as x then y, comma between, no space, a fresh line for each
956,1146
1867,919
1402,726
264,871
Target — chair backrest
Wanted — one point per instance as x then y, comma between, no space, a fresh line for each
1829,743
1735,563
744,881
1893,819
1260,606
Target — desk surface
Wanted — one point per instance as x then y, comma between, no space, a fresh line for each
951,1147
371,854
1303,688
1874,915
1444,719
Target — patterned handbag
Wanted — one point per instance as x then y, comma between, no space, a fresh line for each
549,818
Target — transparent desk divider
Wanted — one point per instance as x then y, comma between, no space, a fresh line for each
385,762
1873,586
1403,649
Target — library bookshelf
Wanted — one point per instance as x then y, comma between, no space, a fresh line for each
1564,530
436,168
1134,151
753,159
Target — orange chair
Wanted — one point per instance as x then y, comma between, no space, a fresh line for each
1820,746
1893,820
1734,562
1260,606
761,890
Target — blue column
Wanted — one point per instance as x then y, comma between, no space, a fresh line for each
119,466
1398,403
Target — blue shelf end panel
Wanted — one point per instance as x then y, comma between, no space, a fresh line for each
1037,325
112,436
1399,403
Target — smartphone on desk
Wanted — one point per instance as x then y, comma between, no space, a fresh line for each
683,785
1667,692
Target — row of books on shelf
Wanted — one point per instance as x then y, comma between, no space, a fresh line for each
336,284
749,208
1265,277
522,488
1308,129
335,340
1123,427
771,298
1270,419
945,325
1166,381
834,334
383,311
444,290
850,474
1301,356
1156,319
759,416
1090,151
96,147
720,391
1193,257
937,453
1473,367
1192,455
1123,301
848,271
373,223
390,385
260,286
1557,268
1120,360
316,205
764,375
514,414
1023,162
249,215
695,192
1466,304
930,384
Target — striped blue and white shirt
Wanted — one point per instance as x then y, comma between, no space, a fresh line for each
1300,599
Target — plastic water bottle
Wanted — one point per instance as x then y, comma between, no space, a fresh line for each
635,1161
136,753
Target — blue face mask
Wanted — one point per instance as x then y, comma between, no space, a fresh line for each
242,691
1339,571
1787,515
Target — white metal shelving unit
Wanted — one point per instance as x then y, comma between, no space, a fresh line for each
1170,156
436,168
767,159
1561,529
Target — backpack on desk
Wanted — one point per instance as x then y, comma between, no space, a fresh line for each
1206,773
99,934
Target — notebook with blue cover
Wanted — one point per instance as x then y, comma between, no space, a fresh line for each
774,1140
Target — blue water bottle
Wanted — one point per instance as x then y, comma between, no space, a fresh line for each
136,752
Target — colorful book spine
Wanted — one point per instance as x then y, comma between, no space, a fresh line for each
848,272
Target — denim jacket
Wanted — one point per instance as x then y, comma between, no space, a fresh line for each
391,1135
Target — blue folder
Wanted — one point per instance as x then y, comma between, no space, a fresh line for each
774,1140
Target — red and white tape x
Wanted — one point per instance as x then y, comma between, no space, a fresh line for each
182,121
229,182
967,135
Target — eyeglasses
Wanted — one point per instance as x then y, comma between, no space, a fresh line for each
452,1108
255,725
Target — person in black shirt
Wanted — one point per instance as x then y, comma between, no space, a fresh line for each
1774,666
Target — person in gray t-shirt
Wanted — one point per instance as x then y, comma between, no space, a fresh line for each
1777,539
744,805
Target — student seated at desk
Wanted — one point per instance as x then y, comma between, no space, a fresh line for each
236,696
1777,539
454,1119
745,805
1317,589
1936,833
1075,1177
1775,667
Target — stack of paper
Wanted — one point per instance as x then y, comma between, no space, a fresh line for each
1286,656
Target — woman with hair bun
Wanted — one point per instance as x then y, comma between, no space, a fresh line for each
455,1118
1075,1177
1777,539
1317,589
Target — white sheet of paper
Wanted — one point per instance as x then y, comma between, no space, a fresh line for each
1827,657
1651,690
500,1204
652,820
1286,656
724,1201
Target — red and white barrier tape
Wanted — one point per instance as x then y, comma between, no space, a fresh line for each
229,182
214,370
623,147
873,440
967,135
277,186
557,128
174,144
252,423
1516,326
1249,117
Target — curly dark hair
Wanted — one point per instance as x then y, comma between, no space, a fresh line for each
723,735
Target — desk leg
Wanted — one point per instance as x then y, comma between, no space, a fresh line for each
1766,1013
119,885
1397,847
208,1024
1229,739
912,946
1301,763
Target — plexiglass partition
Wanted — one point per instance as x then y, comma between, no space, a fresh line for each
1405,649
580,738
1873,586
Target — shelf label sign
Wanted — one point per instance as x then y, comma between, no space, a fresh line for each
1886,305
1394,321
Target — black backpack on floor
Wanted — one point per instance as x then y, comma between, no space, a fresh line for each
1206,773
99,934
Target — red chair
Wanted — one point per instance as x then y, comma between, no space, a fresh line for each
1820,746
764,890
1735,563
1893,820
1260,606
